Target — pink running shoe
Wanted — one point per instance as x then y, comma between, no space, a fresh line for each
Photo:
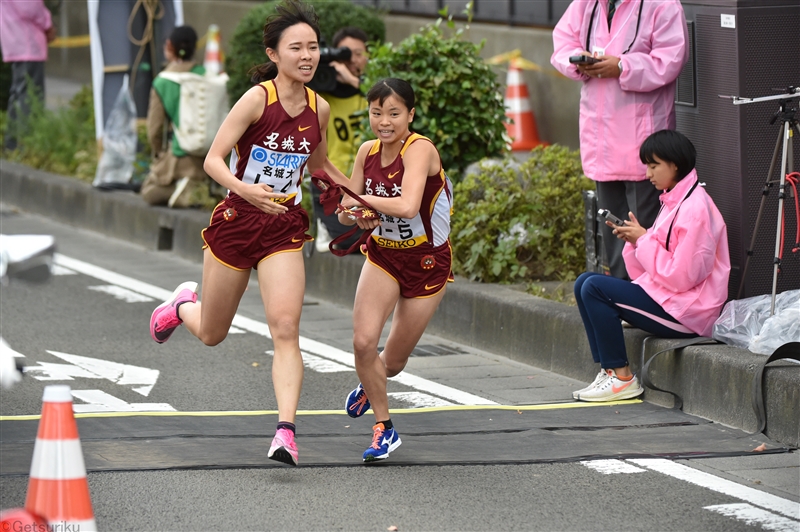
165,318
283,448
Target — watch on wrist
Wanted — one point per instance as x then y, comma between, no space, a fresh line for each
619,65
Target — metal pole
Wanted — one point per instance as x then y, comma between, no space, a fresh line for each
781,193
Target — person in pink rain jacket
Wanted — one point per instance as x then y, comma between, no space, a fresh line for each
641,47
679,267
25,29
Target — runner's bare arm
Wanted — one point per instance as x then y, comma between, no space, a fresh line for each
317,159
244,113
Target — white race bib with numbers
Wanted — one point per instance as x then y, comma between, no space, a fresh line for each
281,171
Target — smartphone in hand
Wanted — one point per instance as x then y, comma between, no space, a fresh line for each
606,214
583,60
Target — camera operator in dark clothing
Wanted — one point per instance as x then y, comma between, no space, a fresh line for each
346,61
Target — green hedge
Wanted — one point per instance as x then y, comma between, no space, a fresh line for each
459,99
521,222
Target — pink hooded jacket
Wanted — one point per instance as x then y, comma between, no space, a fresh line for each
690,279
23,24
617,114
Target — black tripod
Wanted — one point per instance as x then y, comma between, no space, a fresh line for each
789,124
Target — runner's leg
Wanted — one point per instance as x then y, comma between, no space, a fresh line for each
282,281
376,296
222,291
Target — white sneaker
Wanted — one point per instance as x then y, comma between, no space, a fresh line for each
322,239
602,376
613,389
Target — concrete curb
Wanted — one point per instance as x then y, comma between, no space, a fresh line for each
715,381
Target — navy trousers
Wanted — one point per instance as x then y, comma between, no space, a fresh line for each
603,301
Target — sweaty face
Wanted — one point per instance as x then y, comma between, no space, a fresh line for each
297,55
390,121
662,174
358,59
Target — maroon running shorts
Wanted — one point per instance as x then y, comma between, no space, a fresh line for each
422,271
241,235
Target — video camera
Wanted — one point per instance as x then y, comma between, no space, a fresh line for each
325,77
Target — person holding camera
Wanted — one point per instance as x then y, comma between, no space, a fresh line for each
346,101
679,266
627,54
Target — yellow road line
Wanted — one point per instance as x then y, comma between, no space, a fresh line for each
399,411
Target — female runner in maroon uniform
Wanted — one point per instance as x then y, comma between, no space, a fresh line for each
408,255
275,129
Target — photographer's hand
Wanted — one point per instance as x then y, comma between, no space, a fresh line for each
343,74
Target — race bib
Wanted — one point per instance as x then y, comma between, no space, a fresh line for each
279,170
399,233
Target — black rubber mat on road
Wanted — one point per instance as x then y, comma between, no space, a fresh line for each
447,436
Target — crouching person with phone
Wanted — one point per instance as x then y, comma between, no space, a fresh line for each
679,270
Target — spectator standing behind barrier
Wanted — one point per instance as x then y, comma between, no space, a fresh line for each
679,266
174,175
626,96
26,27
346,102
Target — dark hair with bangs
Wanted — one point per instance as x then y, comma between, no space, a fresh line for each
288,14
392,86
671,147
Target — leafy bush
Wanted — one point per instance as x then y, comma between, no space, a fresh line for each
459,102
521,222
246,49
61,141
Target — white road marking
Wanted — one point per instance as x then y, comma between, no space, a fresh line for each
236,330
612,467
306,344
100,401
55,269
419,399
143,379
753,516
122,294
8,350
319,364
721,485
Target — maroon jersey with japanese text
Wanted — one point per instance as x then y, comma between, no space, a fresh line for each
431,224
276,148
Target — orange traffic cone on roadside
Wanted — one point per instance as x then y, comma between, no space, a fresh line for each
213,59
57,488
523,132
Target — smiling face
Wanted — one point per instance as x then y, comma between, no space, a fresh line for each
662,174
390,121
297,55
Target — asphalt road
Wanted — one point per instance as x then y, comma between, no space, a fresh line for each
87,327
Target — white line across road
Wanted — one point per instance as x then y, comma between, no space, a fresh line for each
721,485
306,344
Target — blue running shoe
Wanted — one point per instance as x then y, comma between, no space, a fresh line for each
357,402
383,442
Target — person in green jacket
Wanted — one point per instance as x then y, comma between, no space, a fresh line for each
174,175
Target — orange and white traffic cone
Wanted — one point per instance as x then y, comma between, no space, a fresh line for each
213,59
57,488
522,131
